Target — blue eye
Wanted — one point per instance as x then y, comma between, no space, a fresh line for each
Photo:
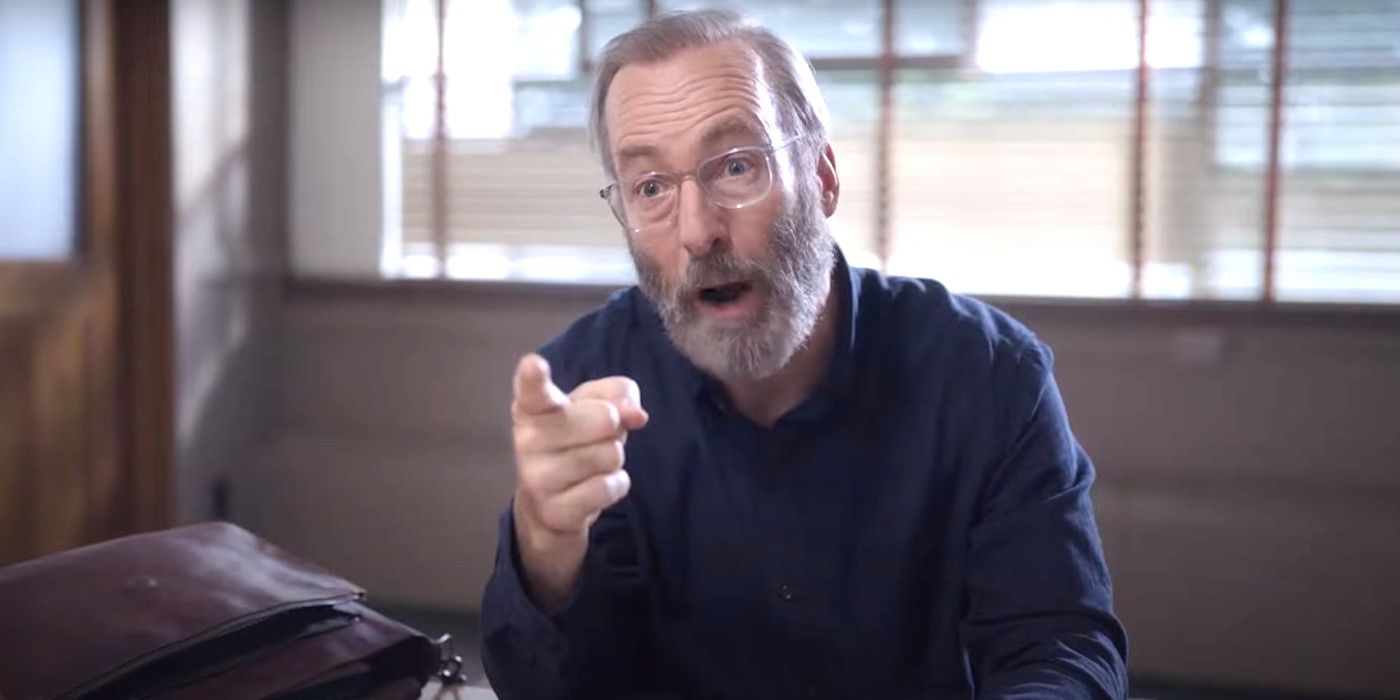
736,166
649,189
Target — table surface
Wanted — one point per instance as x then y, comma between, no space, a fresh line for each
435,691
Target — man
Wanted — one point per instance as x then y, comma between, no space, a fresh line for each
837,484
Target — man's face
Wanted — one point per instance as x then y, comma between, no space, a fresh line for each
739,290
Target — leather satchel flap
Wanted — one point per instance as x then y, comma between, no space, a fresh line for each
78,617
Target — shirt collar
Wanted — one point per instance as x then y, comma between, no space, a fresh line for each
846,280
840,373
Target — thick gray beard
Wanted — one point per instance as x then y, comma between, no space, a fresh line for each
797,281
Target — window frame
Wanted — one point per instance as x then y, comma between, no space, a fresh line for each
890,62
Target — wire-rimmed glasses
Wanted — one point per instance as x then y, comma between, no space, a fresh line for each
737,178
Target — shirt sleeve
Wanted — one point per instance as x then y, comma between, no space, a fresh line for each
1039,620
593,647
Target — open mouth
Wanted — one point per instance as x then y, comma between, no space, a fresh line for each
725,294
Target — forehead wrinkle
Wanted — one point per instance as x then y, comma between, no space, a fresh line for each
668,125
667,133
711,127
647,110
668,91
658,107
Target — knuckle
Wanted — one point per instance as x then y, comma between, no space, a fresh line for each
596,495
630,389
611,418
530,479
614,486
526,438
598,418
603,493
613,455
601,458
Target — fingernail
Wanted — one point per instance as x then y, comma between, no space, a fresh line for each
618,484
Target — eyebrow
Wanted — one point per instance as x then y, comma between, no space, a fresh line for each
631,153
730,126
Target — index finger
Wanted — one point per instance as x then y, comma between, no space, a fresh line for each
535,392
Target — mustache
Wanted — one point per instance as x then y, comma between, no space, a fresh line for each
721,268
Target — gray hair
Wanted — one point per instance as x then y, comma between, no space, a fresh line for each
787,74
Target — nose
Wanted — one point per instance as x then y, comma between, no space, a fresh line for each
699,225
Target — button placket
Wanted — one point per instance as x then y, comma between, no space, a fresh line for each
785,592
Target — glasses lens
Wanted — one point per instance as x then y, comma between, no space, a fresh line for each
645,201
615,205
733,179
737,178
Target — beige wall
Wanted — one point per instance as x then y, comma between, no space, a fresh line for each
229,95
335,220
1249,466
1249,474
394,458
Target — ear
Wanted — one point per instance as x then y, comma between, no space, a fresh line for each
829,181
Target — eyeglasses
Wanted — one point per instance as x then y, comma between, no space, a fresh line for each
734,179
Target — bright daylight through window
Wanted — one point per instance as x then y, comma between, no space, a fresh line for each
1000,146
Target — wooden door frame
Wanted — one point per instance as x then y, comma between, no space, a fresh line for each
143,188
98,429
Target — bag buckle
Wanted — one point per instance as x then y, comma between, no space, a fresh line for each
450,664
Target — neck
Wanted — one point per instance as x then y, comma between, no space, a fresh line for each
766,400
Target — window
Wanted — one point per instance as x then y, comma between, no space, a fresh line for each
39,118
501,184
1001,146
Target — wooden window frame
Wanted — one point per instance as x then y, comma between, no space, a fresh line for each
119,279
887,63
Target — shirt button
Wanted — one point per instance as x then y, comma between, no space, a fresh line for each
785,592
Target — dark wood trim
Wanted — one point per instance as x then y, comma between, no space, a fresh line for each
60,401
448,290
1206,117
1137,197
30,288
18,521
99,245
874,63
1211,42
108,459
141,33
86,443
1201,311
1272,178
972,32
583,58
317,289
884,136
438,190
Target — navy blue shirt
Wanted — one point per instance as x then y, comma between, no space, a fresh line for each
920,527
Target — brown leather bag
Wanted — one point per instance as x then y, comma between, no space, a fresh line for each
206,611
